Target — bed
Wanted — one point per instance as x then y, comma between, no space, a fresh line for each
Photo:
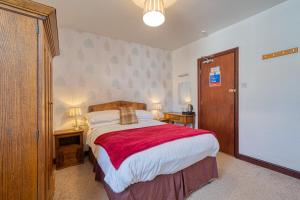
170,171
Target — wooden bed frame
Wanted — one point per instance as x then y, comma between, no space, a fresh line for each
116,106
177,186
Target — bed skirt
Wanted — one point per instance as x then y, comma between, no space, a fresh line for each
176,186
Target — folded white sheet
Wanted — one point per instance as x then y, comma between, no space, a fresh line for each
166,158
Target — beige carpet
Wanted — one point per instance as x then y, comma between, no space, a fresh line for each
238,181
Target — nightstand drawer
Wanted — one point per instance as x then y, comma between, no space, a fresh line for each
69,157
70,148
175,118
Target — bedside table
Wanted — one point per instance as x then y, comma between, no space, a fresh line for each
68,148
164,120
180,118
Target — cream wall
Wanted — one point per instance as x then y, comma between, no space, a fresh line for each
93,69
269,90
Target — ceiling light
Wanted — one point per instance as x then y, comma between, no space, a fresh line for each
154,13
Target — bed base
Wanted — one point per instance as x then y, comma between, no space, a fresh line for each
176,186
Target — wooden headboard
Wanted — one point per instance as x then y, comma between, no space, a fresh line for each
116,106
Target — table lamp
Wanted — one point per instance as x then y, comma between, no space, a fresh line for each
75,112
157,108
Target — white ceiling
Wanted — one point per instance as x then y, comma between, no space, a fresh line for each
185,19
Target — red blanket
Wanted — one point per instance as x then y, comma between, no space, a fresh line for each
121,144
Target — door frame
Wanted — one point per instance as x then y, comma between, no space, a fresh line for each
236,85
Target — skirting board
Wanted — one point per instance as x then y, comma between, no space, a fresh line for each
277,168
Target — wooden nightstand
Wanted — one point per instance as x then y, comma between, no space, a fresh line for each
164,120
68,148
180,118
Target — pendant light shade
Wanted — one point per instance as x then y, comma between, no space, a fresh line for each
154,13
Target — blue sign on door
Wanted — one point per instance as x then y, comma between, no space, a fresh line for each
215,77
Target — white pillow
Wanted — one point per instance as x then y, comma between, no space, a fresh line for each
103,116
93,126
143,114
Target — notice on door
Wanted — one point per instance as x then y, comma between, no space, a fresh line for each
215,77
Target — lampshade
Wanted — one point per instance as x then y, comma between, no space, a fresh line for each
154,13
156,106
75,111
188,99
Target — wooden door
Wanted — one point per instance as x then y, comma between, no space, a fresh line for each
218,97
18,107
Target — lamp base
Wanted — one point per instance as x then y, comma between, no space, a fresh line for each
76,128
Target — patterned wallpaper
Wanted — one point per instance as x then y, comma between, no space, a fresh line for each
93,69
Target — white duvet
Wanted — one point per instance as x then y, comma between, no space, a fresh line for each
144,166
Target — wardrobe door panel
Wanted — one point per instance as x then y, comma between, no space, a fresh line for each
45,162
42,114
49,132
50,135
18,107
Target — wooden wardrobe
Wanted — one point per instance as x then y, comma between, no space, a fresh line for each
28,42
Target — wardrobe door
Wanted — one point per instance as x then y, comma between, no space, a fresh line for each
42,116
50,136
49,131
45,162
18,106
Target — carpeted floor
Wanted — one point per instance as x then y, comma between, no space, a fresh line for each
238,180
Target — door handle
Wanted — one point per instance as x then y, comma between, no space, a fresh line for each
232,90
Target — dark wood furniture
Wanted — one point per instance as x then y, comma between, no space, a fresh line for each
68,148
180,118
29,41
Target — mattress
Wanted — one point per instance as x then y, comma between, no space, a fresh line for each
167,158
